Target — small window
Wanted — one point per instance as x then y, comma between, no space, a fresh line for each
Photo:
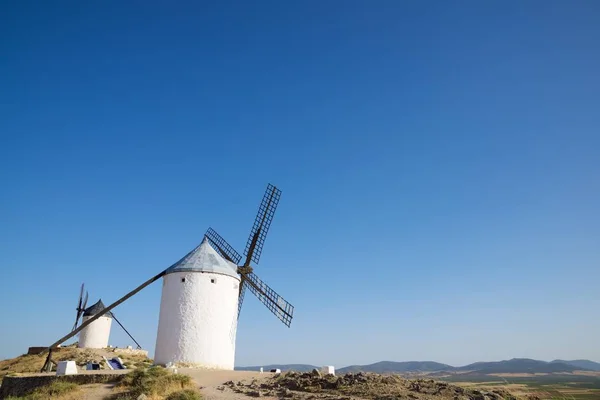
213,280
182,279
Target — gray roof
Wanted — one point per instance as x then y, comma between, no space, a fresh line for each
95,309
205,258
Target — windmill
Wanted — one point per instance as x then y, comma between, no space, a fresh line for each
95,335
202,297
203,294
81,305
256,240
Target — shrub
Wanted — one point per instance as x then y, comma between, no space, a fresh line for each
154,381
187,394
55,390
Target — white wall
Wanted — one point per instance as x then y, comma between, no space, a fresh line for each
198,320
96,334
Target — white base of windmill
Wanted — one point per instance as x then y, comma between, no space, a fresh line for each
96,334
198,320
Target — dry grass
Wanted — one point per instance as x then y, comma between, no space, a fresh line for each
33,363
186,394
57,390
157,383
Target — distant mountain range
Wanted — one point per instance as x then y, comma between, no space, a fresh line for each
515,365
383,367
583,364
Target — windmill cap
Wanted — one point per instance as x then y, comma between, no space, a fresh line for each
95,309
205,258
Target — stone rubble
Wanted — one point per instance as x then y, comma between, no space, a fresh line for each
352,386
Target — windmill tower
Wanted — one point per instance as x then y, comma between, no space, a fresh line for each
96,334
202,297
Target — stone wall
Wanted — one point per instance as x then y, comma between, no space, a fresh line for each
36,350
23,385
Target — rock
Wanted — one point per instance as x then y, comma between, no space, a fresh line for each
315,372
255,393
142,397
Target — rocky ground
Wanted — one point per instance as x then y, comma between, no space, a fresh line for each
353,386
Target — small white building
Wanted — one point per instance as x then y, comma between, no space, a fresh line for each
328,370
96,334
197,323
66,368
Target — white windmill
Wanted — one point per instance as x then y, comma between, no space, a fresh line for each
202,297
95,335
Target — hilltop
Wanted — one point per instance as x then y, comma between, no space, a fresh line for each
33,363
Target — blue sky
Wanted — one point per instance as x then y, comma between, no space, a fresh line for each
439,165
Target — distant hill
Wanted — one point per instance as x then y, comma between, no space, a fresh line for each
582,364
518,366
397,367
282,367
515,366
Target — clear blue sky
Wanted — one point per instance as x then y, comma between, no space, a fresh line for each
439,162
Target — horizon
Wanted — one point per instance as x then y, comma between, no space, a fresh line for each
418,361
438,165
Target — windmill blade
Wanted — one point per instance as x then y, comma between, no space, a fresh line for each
221,245
81,294
243,285
79,303
274,302
85,300
263,220
76,322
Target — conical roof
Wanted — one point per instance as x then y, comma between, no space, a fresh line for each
205,258
95,309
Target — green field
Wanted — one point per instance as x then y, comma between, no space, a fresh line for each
575,387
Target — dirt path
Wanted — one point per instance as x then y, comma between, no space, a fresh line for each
211,382
96,391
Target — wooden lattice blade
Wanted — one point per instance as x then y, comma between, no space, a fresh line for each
274,302
221,245
262,222
243,286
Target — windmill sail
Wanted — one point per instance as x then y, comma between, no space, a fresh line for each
274,302
81,304
257,237
241,297
221,245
